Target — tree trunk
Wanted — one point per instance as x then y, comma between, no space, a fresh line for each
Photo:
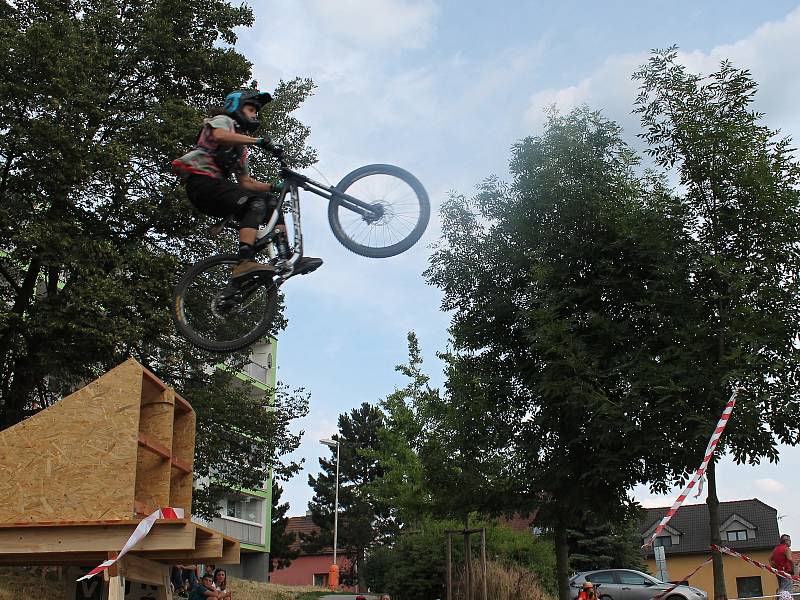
713,516
562,561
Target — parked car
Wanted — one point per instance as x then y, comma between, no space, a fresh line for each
627,584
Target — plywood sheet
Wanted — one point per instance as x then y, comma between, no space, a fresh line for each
75,460
183,450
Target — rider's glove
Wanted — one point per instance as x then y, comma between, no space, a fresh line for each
277,187
265,142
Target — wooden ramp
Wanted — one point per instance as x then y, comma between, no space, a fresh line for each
78,476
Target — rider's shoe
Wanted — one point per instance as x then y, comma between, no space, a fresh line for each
250,267
307,264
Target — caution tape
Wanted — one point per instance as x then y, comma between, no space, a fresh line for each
142,529
686,579
761,565
712,445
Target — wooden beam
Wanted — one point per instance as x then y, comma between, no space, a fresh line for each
165,535
149,374
182,404
206,549
181,465
230,551
156,447
142,570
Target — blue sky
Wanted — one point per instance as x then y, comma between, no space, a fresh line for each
443,89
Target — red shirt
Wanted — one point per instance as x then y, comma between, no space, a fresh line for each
779,560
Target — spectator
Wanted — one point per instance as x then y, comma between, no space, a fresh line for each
781,559
189,575
209,570
205,589
176,579
221,583
587,592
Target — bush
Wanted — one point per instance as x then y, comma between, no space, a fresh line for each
505,582
413,567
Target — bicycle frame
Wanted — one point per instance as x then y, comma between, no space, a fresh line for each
293,182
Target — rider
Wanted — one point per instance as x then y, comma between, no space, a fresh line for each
222,150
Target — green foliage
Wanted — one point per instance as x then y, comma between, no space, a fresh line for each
281,553
522,548
741,320
364,519
414,566
606,546
431,466
562,287
402,482
742,194
96,99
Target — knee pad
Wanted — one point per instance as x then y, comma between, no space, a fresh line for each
254,213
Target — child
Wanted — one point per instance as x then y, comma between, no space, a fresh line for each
221,151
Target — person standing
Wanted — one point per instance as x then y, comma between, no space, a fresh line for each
781,559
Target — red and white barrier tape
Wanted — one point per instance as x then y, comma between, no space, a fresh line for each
712,445
142,529
778,572
686,579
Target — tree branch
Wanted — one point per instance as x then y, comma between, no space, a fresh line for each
10,279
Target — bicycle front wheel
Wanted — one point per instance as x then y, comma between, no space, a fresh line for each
402,211
214,315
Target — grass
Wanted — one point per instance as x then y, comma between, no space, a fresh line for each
18,583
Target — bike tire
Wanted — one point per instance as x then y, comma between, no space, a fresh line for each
408,239
179,317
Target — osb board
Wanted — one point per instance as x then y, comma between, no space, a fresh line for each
183,448
152,479
75,460
152,470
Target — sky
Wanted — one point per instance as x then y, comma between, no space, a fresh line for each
444,89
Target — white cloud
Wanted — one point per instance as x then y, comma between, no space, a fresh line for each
769,485
381,24
769,53
609,89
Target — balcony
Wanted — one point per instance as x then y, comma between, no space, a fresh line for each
244,531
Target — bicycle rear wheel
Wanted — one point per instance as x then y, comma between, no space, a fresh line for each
404,211
215,316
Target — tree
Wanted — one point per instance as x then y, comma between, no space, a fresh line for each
281,544
431,465
741,190
414,566
606,546
95,100
563,288
241,437
364,520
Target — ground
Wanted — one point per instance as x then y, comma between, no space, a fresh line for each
16,584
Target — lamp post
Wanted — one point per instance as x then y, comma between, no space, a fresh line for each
335,444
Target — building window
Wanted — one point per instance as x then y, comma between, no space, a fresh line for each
234,509
740,535
663,540
321,579
748,587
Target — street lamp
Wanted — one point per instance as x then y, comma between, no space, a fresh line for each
334,444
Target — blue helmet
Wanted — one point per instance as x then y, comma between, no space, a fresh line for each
236,100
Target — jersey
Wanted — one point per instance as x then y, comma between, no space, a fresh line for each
779,560
211,159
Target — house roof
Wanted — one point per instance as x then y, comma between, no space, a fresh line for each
692,524
303,525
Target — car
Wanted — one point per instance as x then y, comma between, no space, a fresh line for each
627,584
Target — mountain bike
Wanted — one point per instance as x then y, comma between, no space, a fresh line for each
376,211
